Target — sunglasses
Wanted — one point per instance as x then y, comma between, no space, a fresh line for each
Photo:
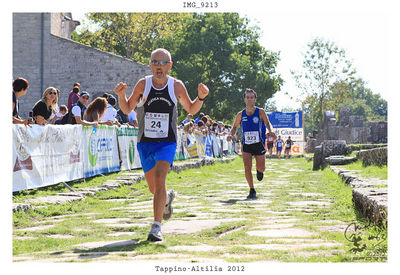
159,62
52,93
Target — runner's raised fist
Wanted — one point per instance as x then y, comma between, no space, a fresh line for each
120,89
202,90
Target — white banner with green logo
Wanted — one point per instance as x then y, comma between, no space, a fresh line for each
101,150
127,141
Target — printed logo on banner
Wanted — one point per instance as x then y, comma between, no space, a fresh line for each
23,164
73,158
131,152
92,150
23,160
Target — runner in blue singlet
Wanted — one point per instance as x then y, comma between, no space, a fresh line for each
251,120
279,146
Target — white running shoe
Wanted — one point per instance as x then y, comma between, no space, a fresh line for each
155,234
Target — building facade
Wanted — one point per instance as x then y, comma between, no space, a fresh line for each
45,55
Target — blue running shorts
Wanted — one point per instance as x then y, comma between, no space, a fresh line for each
151,152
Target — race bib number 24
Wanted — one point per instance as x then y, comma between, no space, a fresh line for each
156,125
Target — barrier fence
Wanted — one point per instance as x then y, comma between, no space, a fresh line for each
51,154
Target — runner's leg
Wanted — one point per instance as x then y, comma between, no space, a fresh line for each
156,179
247,162
260,163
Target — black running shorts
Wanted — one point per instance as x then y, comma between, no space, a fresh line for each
255,149
270,145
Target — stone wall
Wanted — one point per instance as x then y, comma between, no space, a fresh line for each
376,156
45,56
352,129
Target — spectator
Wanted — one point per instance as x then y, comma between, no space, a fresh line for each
205,120
20,88
122,118
111,113
96,110
73,96
106,95
188,119
132,119
200,125
209,121
44,107
199,118
59,115
188,128
220,127
214,128
77,111
56,109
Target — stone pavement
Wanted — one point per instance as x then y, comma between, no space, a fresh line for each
219,225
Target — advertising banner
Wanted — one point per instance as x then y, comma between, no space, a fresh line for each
286,120
288,124
46,155
127,142
100,150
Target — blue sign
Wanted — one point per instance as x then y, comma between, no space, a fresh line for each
286,120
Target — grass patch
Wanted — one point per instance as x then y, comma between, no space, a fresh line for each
371,171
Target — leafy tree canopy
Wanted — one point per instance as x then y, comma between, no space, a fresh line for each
218,49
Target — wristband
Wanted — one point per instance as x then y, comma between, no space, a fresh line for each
201,99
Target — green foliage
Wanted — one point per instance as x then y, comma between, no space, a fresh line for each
222,51
328,82
132,35
218,49
324,64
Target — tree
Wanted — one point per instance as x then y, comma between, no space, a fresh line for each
324,64
131,35
360,99
222,51
218,49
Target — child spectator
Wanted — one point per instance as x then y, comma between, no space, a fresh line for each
60,114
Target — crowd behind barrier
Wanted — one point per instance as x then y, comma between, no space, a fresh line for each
51,154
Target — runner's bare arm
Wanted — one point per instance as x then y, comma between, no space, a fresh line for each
265,119
235,126
191,106
127,105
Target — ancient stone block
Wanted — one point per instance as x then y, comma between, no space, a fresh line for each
318,160
344,116
356,121
334,147
372,203
376,156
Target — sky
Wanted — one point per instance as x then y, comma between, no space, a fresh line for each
361,32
